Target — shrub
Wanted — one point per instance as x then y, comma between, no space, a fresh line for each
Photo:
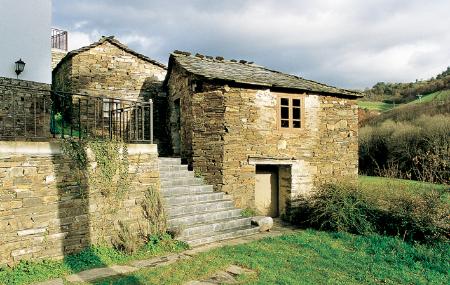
419,149
337,207
411,215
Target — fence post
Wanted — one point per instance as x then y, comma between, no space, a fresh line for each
151,120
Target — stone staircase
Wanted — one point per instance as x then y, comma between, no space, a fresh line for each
200,214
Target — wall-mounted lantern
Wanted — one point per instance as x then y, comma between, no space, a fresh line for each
20,66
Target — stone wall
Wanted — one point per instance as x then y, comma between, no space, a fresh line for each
42,211
109,71
57,55
24,109
229,130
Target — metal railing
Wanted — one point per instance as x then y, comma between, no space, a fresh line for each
25,117
48,115
59,39
80,115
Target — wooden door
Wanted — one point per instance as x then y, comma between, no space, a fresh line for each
266,191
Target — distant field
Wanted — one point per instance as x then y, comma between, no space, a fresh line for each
385,186
375,106
375,181
443,95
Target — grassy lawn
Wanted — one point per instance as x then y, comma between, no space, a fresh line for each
311,257
383,182
376,106
443,95
392,186
96,256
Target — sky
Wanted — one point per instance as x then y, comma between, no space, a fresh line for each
345,43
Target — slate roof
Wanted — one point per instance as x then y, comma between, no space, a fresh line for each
248,73
113,41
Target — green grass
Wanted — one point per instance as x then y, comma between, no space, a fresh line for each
248,212
443,95
375,182
97,256
311,257
375,106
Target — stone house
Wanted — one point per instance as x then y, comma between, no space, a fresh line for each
109,69
263,136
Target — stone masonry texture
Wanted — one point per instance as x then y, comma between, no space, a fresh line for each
57,55
225,131
43,214
109,69
24,109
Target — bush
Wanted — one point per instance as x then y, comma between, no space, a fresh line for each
418,150
411,215
340,208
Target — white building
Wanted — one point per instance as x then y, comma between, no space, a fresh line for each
25,27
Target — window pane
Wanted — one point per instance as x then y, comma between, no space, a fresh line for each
285,123
284,112
285,101
296,124
296,113
296,102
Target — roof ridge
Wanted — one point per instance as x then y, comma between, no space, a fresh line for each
111,39
215,59
241,72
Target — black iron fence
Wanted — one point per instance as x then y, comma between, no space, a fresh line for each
47,115
80,115
25,116
59,39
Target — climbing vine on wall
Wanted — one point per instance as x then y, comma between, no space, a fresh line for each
109,171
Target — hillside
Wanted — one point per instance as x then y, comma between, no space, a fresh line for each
374,113
406,92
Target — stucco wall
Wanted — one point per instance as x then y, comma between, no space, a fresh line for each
42,211
25,32
228,130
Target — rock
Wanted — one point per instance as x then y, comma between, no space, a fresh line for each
264,223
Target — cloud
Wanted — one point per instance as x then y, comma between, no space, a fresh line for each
348,43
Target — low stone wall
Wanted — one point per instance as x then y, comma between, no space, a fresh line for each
43,213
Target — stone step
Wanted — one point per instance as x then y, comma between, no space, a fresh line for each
175,174
180,181
185,190
170,168
214,226
204,217
169,160
191,198
198,207
196,240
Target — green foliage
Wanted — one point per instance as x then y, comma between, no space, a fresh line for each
410,214
340,208
310,257
154,212
111,175
248,212
377,106
96,256
198,173
76,150
416,149
111,172
333,207
407,92
105,165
